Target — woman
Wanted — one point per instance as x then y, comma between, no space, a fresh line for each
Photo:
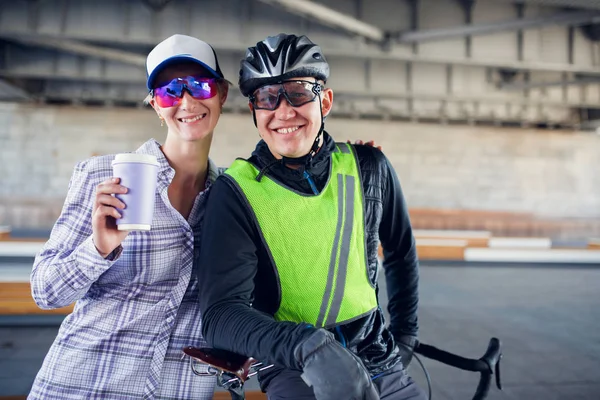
136,294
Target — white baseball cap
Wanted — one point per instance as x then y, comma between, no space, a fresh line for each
179,48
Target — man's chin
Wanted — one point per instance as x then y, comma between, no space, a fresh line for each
293,155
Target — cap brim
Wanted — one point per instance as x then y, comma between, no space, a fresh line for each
174,60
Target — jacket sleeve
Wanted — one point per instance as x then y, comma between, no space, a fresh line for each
400,262
68,263
227,267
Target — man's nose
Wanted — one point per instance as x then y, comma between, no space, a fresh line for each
285,110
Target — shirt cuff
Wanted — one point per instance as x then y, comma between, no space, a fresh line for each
115,254
92,263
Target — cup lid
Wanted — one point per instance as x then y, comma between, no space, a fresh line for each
136,158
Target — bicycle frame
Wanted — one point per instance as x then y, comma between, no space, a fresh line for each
233,370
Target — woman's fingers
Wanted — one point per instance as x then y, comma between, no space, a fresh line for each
108,200
110,186
105,192
107,211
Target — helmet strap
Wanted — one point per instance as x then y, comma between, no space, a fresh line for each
254,117
306,159
315,146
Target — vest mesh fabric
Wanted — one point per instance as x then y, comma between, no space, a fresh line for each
317,243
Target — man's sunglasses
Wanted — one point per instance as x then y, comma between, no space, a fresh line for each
171,93
297,93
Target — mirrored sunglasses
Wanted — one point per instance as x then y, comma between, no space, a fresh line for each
171,93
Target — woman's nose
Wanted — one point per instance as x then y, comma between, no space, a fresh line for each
187,101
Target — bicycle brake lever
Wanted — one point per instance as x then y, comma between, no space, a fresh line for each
228,381
497,372
233,385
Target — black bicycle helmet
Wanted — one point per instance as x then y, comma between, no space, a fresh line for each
279,58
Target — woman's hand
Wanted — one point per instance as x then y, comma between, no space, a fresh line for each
106,236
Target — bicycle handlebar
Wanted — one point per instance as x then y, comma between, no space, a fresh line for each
487,365
232,370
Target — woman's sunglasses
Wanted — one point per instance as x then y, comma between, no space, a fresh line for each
297,93
171,93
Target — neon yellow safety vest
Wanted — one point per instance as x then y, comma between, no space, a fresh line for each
317,242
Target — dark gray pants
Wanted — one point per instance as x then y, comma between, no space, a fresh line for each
393,384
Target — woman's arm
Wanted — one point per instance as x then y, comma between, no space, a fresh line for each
69,263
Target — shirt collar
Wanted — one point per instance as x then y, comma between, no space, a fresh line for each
165,170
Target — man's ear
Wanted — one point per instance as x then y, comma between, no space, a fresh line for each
251,107
327,101
224,92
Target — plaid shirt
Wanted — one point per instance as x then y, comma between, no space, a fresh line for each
134,313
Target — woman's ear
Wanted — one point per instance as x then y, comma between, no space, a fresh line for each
153,104
156,108
326,101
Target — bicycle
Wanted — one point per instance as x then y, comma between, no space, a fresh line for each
233,370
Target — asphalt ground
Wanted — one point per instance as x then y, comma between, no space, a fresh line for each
547,318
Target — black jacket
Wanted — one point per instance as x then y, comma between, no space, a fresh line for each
238,287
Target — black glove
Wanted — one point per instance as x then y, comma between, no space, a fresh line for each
406,348
333,372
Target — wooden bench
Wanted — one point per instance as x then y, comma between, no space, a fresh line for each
15,299
4,232
520,243
471,238
441,249
446,245
437,250
25,239
6,236
504,223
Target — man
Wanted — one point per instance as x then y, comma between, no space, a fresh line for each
289,260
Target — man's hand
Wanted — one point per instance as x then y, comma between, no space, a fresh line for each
333,372
369,143
406,348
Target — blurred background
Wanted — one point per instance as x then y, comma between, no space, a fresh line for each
489,111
